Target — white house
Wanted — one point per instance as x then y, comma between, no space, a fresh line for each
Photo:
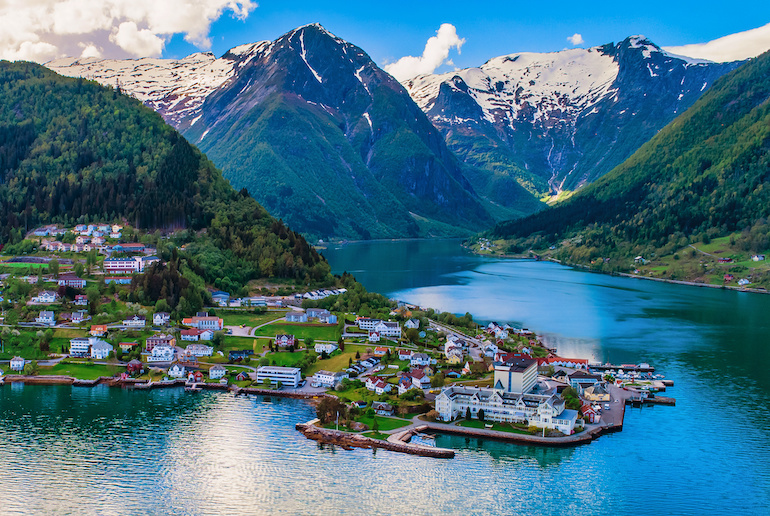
205,322
388,329
419,379
323,315
541,410
17,364
176,371
81,300
288,376
46,317
200,350
329,348
46,297
100,349
80,347
412,324
374,336
328,378
161,354
216,372
378,385
490,349
404,354
137,321
195,334
161,318
419,359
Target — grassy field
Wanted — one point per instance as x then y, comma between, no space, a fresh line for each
285,358
82,371
338,362
244,343
499,427
301,331
701,264
249,318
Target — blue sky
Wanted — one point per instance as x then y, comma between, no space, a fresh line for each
392,29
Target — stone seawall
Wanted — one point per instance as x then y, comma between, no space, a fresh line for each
347,440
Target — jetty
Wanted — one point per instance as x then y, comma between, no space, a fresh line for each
397,442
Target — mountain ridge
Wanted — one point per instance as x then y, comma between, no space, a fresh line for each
559,120
362,134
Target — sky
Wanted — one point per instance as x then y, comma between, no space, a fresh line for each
394,33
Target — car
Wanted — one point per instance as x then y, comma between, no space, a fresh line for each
243,325
606,406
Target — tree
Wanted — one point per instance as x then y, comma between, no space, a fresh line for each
437,380
358,355
341,344
218,340
375,424
480,414
412,334
53,267
468,413
267,382
264,361
32,368
328,409
432,415
79,269
309,342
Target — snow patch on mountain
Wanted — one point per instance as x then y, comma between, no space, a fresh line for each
526,85
176,88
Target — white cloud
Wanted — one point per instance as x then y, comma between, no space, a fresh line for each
135,41
576,39
435,54
40,30
90,50
734,47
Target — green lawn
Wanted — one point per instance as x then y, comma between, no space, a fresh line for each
301,331
385,423
500,427
82,371
243,343
376,435
250,318
285,358
338,362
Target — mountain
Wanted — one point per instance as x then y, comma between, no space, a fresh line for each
316,132
554,122
705,175
74,151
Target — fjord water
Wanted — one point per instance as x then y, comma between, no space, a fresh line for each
78,450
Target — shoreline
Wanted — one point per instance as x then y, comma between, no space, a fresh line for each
624,274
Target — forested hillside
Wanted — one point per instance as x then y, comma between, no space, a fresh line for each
73,151
704,175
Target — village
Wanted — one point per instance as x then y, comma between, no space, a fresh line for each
382,373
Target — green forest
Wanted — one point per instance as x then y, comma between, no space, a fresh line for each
72,151
703,176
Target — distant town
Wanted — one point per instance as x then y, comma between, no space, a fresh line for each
67,318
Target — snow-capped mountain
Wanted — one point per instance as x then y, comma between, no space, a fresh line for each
175,88
555,121
316,132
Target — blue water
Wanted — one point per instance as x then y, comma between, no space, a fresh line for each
109,451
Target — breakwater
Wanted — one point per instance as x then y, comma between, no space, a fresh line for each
347,440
